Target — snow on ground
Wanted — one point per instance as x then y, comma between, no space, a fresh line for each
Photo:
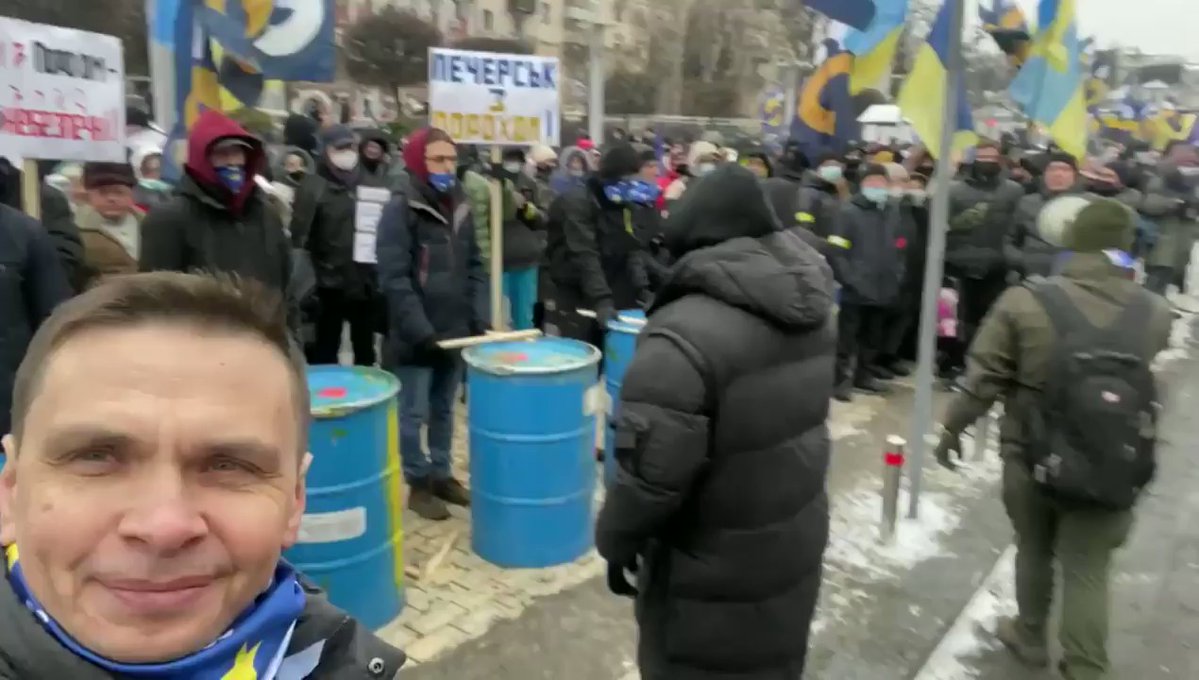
974,631
856,554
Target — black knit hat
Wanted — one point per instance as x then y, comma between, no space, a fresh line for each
1061,157
96,175
1102,225
619,160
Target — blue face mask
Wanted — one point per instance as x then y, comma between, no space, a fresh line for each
642,192
876,195
442,181
232,176
617,192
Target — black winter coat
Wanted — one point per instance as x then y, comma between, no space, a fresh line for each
982,216
869,257
323,223
810,204
593,249
722,453
524,238
32,284
430,270
195,232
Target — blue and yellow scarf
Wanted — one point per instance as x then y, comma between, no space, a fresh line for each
251,649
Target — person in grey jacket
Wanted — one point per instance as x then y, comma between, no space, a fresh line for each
982,209
1029,254
868,261
1171,202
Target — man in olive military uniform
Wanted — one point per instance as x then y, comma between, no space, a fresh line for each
1010,360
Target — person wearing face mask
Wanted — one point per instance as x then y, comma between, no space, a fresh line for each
702,158
151,189
595,256
982,212
432,277
1171,201
1028,253
218,220
909,194
524,238
807,201
323,224
545,163
574,166
868,261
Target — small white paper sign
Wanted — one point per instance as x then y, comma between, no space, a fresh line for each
366,222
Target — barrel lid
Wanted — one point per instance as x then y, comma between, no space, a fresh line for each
628,321
337,390
528,357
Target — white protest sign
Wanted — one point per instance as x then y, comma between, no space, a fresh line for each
491,98
367,211
62,93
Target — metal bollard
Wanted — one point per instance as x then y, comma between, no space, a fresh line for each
982,432
893,460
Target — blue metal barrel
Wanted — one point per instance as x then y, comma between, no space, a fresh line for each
620,344
351,536
532,437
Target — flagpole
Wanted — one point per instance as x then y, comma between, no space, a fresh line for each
922,414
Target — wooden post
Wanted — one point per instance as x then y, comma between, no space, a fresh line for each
499,320
31,190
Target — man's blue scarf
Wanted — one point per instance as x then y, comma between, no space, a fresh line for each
251,649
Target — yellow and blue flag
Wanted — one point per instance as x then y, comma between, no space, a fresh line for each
226,52
874,47
1050,86
923,93
1006,23
825,117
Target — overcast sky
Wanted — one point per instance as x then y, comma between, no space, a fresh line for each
1155,26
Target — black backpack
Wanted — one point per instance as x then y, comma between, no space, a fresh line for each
1093,431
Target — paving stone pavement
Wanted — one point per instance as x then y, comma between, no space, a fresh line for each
464,596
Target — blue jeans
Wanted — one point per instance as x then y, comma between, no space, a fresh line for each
520,287
427,398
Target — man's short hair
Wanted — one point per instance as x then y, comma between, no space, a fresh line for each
236,305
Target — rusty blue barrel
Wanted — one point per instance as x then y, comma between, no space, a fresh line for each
351,535
620,343
532,440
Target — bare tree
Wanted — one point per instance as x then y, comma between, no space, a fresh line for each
125,19
389,49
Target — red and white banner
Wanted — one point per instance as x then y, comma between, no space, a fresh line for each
62,93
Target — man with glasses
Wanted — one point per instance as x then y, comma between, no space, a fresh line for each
432,277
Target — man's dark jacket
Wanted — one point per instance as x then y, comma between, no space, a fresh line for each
722,446
32,284
205,227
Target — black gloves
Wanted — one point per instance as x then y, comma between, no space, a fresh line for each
429,353
618,580
605,311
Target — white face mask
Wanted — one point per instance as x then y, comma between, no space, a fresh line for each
344,160
512,167
703,169
918,196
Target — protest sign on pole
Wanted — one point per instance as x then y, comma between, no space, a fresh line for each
492,98
499,100
62,93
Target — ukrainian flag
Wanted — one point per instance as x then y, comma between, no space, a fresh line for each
923,93
1050,87
1004,20
874,47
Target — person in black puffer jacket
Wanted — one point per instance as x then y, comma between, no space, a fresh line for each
719,501
594,255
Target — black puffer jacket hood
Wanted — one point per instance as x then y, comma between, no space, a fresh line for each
776,277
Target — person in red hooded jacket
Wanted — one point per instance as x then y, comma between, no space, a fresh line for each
219,221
